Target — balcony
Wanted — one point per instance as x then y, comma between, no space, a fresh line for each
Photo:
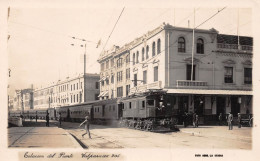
234,46
191,84
146,87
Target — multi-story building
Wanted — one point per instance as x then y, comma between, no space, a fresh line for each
23,99
68,92
216,78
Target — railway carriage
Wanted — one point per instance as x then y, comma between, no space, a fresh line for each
64,112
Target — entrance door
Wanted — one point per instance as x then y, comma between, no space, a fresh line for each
183,104
221,105
120,110
199,105
235,106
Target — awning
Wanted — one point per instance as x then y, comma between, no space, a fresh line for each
209,92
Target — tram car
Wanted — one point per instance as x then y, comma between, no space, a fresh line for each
16,113
64,112
106,111
80,111
150,111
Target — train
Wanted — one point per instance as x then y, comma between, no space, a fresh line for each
147,111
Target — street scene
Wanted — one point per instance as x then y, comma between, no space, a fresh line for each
120,77
106,137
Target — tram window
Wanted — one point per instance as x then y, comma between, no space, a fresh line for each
150,102
114,108
109,108
130,105
143,104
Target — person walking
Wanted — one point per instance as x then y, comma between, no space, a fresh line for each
60,119
47,119
220,119
86,122
197,121
239,120
229,121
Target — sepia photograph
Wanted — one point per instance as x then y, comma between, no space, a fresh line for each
100,80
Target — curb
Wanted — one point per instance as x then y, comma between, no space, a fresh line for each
75,142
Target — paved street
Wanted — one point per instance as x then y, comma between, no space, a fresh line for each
209,137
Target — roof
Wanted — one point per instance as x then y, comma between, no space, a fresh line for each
209,92
233,39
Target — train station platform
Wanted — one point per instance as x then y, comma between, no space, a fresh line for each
40,137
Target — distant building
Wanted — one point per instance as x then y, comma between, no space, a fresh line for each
162,59
23,99
68,92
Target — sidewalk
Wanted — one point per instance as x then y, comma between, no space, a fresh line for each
40,137
243,133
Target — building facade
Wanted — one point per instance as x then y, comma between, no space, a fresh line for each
23,99
68,92
216,79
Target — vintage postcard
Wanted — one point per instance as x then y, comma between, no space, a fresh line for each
129,80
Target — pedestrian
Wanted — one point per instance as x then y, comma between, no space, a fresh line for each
197,121
194,119
229,121
47,119
220,119
239,120
36,116
86,122
60,119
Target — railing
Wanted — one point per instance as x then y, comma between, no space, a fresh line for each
188,83
234,46
145,87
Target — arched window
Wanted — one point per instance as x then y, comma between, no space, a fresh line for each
158,46
153,49
200,46
147,52
134,59
137,57
143,54
181,45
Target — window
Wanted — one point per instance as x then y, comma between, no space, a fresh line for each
77,98
71,88
181,45
145,77
143,104
153,49
119,62
81,85
147,52
150,102
134,59
127,89
228,74
128,74
143,54
127,59
74,98
200,46
158,46
248,75
137,57
107,81
119,76
155,74
107,64
119,91
96,96
74,86
135,80
97,84
112,62
112,78
114,108
77,86
188,72
102,66
130,105
109,108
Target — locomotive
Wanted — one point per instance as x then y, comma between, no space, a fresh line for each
147,111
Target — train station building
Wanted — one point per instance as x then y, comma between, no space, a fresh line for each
216,78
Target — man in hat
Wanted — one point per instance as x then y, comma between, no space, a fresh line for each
86,122
229,121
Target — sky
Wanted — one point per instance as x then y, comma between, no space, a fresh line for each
40,51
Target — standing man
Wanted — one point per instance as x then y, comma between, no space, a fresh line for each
194,119
86,122
229,120
197,121
220,119
60,118
47,119
239,120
